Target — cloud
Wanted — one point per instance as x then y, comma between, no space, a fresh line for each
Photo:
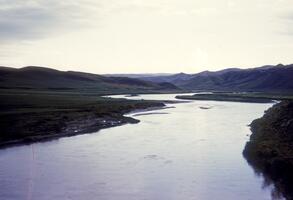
287,16
140,35
286,22
32,19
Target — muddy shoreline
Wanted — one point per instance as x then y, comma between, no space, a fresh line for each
25,119
76,127
87,125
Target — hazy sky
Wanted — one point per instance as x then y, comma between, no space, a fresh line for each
135,36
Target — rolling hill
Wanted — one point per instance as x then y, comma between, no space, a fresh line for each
268,78
45,78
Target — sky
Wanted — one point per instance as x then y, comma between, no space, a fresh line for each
145,36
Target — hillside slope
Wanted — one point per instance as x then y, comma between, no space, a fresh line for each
46,78
263,79
270,149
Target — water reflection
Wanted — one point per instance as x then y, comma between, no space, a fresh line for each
277,176
188,154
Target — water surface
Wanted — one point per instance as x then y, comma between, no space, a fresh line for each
180,153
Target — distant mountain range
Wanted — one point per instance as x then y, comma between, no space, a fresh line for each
45,78
138,75
268,78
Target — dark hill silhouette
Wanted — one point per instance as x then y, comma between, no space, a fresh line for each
268,78
263,79
41,77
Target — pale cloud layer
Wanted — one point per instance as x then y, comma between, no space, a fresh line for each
116,36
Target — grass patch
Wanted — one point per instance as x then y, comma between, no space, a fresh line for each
32,115
238,97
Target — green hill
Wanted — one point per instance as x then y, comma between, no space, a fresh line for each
46,78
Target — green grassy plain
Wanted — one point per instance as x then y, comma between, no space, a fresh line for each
33,115
252,97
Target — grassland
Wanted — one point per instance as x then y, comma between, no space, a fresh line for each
29,115
238,97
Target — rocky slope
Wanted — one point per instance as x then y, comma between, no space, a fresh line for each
270,149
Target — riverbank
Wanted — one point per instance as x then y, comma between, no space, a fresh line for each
270,149
42,116
237,97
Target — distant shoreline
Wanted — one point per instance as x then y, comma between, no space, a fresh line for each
236,97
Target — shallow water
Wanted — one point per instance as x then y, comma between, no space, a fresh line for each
180,153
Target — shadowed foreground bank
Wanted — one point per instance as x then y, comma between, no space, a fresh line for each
28,116
270,149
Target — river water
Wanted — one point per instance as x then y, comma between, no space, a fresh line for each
180,153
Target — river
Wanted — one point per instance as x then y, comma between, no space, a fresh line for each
180,153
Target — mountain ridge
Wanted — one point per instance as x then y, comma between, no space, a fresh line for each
268,78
